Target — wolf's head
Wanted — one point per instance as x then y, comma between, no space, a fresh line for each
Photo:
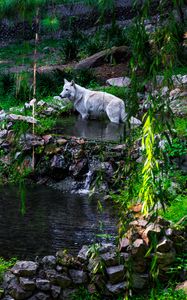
68,90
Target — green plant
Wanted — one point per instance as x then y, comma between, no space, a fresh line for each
45,124
177,148
5,265
84,294
176,209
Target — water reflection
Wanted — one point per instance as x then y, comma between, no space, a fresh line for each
52,220
91,129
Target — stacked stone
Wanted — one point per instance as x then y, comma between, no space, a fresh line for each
108,269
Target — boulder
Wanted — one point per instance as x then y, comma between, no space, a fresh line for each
139,248
78,276
27,284
119,81
55,291
118,54
40,296
116,288
24,268
164,245
139,281
63,281
13,117
83,254
18,293
49,261
124,243
43,284
116,273
110,258
165,259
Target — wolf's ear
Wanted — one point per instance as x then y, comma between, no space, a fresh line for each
73,83
65,81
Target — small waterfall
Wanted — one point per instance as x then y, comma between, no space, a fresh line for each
86,187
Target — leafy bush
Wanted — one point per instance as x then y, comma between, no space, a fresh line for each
5,265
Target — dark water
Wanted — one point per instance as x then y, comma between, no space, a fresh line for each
52,220
90,129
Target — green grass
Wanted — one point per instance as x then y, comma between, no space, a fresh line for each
120,92
181,126
177,209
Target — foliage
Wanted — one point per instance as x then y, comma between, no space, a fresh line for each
177,148
181,126
5,265
177,209
83,294
45,124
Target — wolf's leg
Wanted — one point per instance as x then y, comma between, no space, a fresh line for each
84,116
113,112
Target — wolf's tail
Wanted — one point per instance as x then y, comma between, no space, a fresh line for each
123,113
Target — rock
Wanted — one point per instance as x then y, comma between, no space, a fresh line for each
68,293
63,281
49,261
51,275
165,259
41,103
58,162
119,81
151,230
13,117
182,286
40,296
165,91
83,254
110,259
124,243
47,138
24,268
27,283
79,168
135,121
105,247
163,222
139,248
116,288
174,93
164,245
3,133
18,293
49,111
118,54
30,140
139,281
78,276
43,284
8,277
55,291
116,273
61,142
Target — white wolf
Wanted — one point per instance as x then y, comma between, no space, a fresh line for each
94,103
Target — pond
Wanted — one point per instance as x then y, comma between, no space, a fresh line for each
90,129
49,220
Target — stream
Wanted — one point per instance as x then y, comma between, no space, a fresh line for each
47,220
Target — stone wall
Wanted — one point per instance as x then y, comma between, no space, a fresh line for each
108,269
79,15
